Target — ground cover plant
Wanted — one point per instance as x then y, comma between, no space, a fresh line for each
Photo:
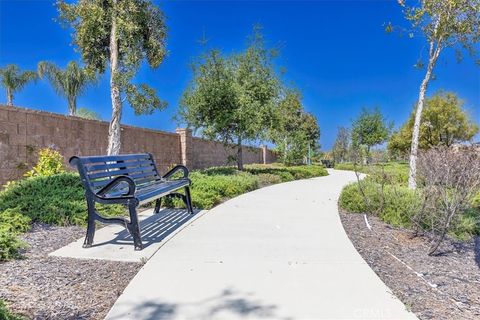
5,314
57,197
214,185
446,201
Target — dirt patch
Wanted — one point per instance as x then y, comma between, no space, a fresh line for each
43,287
446,286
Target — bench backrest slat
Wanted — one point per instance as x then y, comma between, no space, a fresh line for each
98,171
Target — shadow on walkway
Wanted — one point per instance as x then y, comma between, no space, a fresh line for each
226,304
155,228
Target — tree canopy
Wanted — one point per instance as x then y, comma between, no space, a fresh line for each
13,80
369,129
231,98
294,131
120,34
69,83
341,146
444,123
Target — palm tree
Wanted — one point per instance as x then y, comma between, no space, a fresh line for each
69,83
13,80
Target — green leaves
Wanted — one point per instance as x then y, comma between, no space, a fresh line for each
293,130
140,35
13,80
143,99
369,129
231,97
69,82
444,123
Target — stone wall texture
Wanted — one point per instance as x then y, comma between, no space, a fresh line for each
24,131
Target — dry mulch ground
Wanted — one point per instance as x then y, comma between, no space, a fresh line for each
446,286
43,287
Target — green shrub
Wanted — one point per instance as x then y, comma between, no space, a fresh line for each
266,179
58,199
393,172
9,244
396,207
476,201
13,221
50,162
466,225
5,314
213,185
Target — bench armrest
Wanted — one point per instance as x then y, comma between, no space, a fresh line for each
112,184
175,169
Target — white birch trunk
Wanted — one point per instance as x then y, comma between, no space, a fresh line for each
114,133
412,176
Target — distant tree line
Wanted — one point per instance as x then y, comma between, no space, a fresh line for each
445,122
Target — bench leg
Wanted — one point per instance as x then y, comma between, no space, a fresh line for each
91,224
158,204
188,200
133,227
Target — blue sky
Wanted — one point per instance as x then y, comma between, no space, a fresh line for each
335,52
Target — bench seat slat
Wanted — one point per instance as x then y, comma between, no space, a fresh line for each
149,192
120,157
103,182
116,165
119,172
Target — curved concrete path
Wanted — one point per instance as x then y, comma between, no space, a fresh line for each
276,253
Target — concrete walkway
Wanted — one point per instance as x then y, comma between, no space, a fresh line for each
276,253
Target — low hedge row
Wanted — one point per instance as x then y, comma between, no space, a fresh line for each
399,204
59,199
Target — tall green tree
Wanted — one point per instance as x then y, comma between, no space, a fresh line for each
444,24
369,129
231,97
444,122
295,133
13,80
120,34
69,83
342,144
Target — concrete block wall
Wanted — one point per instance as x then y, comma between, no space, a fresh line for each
24,131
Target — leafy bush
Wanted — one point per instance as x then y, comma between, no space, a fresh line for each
9,243
397,205
214,185
392,172
58,199
50,162
266,179
5,314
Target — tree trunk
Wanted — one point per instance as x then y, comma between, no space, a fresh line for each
412,177
72,106
114,133
239,154
433,54
9,97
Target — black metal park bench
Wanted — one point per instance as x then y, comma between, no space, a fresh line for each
130,180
